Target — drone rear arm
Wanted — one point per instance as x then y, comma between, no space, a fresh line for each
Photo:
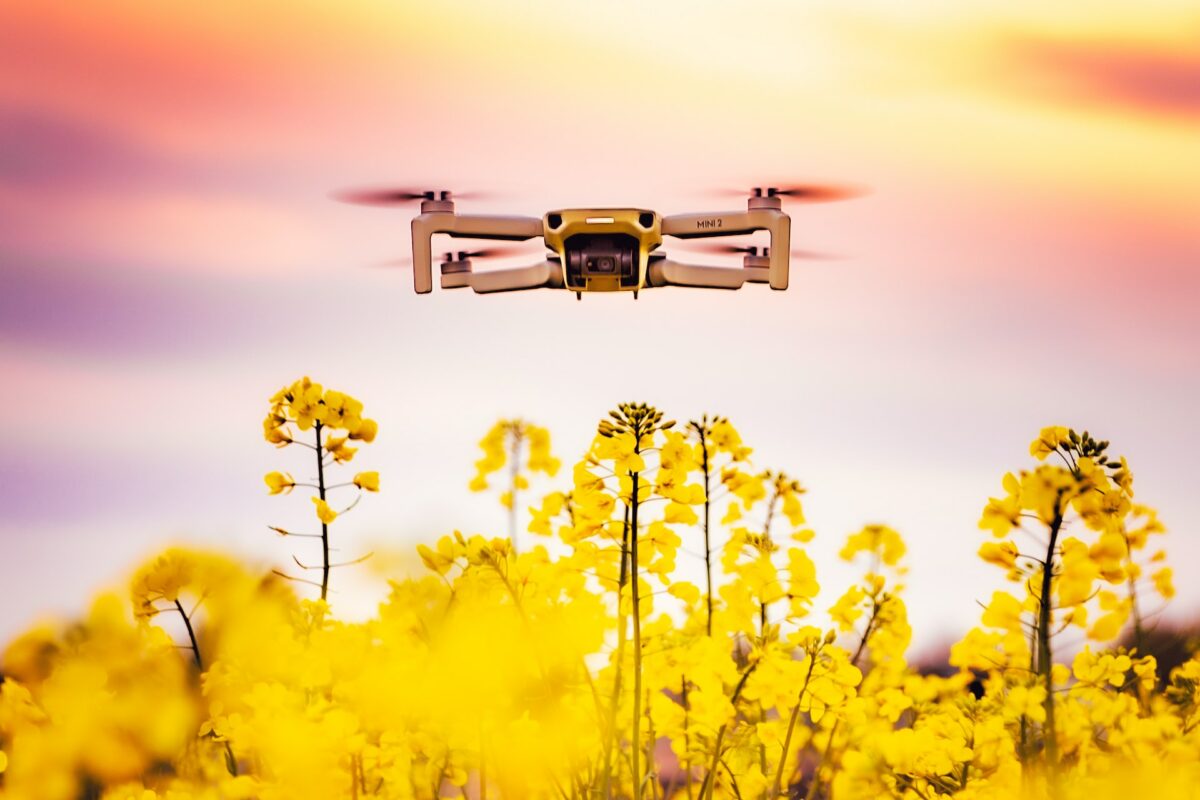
472,226
774,221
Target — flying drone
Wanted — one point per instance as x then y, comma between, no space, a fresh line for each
601,249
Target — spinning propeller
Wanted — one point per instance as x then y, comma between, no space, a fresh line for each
719,249
801,192
397,196
460,256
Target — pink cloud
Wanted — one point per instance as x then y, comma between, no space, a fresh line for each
1133,76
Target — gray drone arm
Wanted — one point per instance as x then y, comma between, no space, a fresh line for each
547,274
774,221
665,272
472,226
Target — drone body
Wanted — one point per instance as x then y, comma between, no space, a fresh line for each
601,249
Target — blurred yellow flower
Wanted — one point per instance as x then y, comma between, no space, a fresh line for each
368,481
324,513
279,482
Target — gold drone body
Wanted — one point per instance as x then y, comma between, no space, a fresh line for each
603,249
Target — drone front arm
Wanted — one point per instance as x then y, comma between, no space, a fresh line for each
546,275
665,272
474,226
774,221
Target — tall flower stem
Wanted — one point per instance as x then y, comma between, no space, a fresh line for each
709,785
230,761
815,784
787,739
324,525
762,609
187,623
703,429
514,474
1138,624
1045,659
620,658
637,622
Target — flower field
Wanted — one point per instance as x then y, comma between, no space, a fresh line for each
571,657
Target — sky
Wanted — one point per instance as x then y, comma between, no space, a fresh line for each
1028,254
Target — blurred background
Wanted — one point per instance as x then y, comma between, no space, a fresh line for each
1029,255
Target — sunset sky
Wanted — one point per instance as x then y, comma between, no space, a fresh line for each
1029,254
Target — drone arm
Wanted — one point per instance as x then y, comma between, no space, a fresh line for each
474,226
547,274
774,221
665,272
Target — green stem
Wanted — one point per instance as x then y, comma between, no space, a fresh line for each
709,786
687,758
787,740
1138,627
813,785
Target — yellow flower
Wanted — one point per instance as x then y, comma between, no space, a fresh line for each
1109,668
1002,554
1109,625
848,608
324,512
341,452
893,703
1026,701
685,591
366,431
1048,441
1079,573
368,481
279,482
1001,515
1003,612
1163,583
879,540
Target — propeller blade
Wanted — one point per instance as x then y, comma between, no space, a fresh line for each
722,249
483,253
381,197
395,196
802,192
810,255
817,193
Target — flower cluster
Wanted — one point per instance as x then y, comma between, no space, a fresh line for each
617,658
525,449
335,419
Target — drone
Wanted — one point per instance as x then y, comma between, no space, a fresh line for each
601,249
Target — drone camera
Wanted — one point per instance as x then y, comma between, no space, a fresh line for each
605,256
603,249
